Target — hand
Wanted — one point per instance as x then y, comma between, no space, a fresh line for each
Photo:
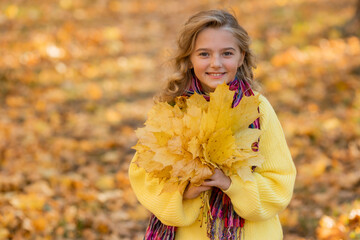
219,180
193,191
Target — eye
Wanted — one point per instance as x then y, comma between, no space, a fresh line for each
228,53
203,54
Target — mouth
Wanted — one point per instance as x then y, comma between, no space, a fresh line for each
216,74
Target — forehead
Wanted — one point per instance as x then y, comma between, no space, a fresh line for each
215,38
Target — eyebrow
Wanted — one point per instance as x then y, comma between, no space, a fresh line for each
207,49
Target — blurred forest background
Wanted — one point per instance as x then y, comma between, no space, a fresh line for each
77,78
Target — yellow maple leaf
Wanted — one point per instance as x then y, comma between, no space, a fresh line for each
202,172
159,116
162,172
220,146
197,100
186,142
246,137
175,145
146,138
220,106
165,157
245,173
162,138
192,120
178,112
181,102
171,186
195,148
245,113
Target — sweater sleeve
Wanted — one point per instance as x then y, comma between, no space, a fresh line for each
168,207
272,189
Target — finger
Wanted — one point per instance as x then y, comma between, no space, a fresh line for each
212,178
205,188
200,188
209,183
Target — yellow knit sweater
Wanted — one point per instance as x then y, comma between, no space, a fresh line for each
258,202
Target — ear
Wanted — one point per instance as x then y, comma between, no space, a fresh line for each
241,61
189,62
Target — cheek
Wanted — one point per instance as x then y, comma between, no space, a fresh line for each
199,66
232,66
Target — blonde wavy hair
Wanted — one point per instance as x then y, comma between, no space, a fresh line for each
180,79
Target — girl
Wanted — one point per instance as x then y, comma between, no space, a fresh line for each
213,48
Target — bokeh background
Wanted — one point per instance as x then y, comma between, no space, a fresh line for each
77,78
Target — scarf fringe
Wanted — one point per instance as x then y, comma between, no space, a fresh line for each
225,223
159,231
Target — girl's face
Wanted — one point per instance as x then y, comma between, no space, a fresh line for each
216,57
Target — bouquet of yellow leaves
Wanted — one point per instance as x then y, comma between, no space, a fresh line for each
186,142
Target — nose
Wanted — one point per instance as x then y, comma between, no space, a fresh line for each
215,61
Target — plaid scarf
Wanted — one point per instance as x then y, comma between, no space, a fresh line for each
225,223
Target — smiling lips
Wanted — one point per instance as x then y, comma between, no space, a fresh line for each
215,75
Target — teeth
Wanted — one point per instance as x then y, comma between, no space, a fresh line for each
215,74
